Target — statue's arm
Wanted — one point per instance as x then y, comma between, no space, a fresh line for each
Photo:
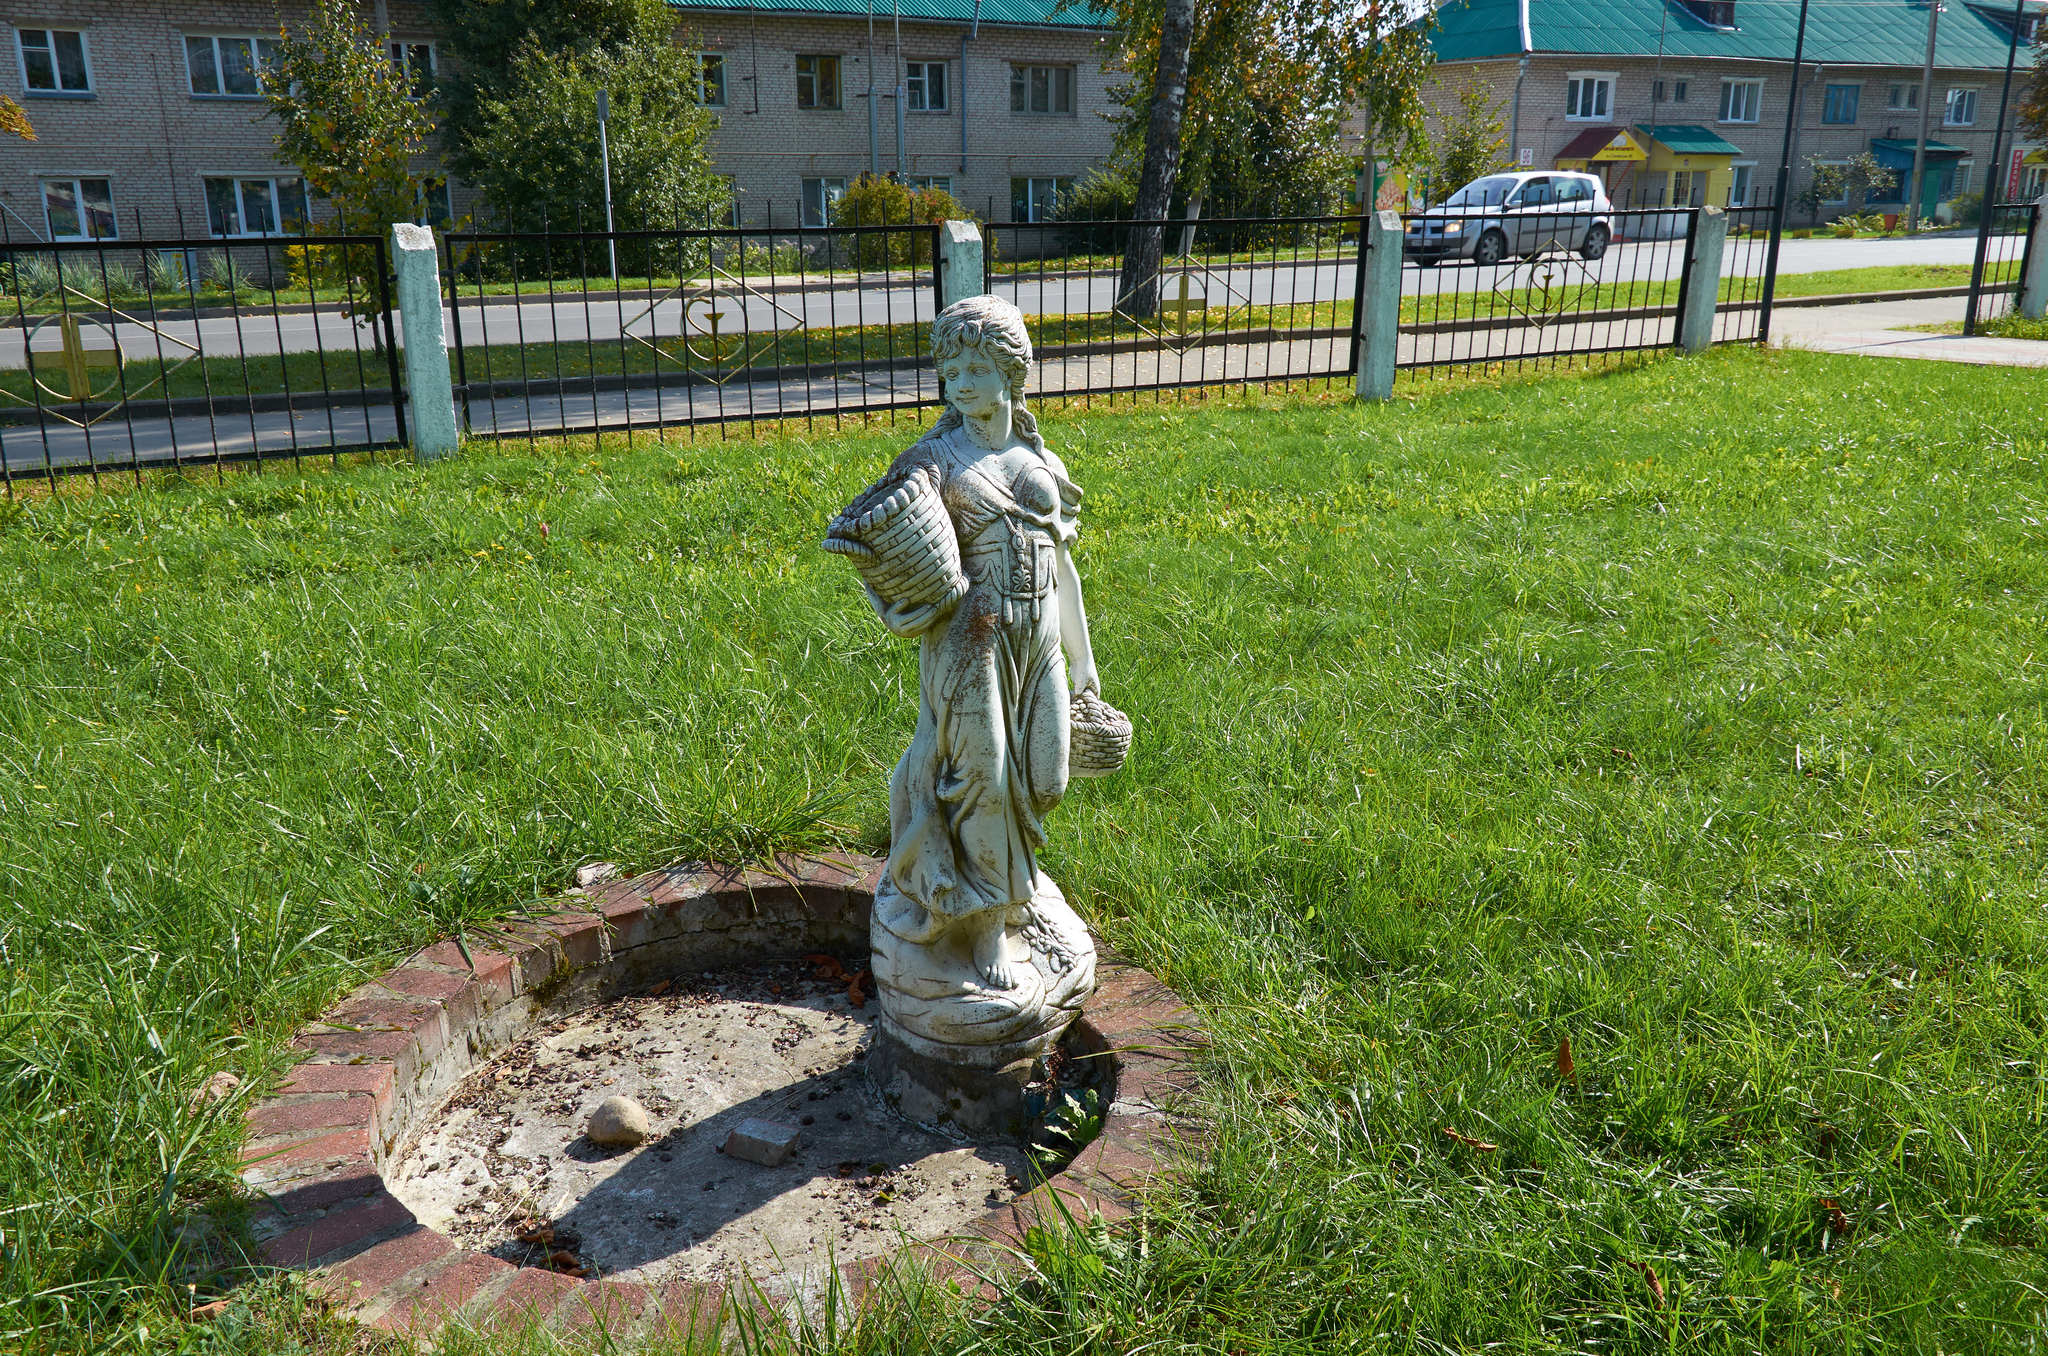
1081,675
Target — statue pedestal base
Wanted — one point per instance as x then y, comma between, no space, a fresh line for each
981,1101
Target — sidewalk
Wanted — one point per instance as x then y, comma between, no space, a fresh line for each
1882,329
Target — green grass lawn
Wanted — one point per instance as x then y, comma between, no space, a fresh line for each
1669,712
2011,325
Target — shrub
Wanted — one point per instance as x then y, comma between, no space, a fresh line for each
872,200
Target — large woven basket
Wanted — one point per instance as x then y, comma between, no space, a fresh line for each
898,536
1099,736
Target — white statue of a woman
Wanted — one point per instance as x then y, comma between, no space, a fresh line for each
966,545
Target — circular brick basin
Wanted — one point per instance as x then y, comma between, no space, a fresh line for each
381,1064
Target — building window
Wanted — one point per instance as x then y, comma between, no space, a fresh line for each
1675,93
1041,89
228,68
817,82
1962,108
1844,198
938,183
1887,186
415,61
254,207
1588,97
434,205
80,209
924,84
1840,103
711,75
53,61
1037,199
820,197
1741,100
1903,98
1960,185
1741,183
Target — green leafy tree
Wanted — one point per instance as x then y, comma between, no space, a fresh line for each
348,120
1826,183
1473,144
1258,104
875,200
485,43
535,148
2033,106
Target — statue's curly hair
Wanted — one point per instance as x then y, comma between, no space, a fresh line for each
995,328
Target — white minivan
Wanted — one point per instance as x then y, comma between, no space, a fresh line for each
1502,214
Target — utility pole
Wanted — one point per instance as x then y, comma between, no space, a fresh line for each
902,92
1926,112
1778,205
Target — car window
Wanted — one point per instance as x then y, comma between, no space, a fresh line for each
1538,193
1573,190
1491,191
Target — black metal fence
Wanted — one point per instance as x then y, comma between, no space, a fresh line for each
614,331
1234,301
1523,286
2003,248
122,355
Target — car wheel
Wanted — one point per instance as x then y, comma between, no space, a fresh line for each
1425,261
1491,249
1596,243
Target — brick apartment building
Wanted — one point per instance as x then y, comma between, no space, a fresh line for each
150,117
1684,101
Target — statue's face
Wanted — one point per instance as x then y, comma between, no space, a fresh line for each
975,386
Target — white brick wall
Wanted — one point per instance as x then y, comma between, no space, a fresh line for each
146,133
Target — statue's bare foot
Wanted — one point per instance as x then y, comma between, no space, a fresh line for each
989,961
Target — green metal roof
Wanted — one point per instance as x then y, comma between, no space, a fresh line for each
1032,13
1838,32
1685,139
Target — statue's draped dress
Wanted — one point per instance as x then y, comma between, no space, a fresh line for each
988,760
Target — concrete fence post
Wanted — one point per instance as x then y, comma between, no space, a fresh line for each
961,266
430,393
1702,286
1379,311
2033,297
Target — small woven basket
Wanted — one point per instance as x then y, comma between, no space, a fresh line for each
1099,736
897,534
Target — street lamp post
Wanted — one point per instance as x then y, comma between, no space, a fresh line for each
604,153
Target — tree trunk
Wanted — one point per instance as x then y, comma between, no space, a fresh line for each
1139,285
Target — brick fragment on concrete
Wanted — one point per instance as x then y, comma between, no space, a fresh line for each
769,1143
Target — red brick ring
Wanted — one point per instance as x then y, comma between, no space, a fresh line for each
397,1047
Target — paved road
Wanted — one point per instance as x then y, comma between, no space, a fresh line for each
605,319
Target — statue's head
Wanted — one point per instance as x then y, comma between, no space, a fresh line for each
983,354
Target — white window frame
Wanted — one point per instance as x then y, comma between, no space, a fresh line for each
257,43
1948,110
400,51
1734,165
1959,182
1912,95
706,62
1057,78
21,31
78,182
1574,82
917,87
1034,210
1756,106
815,74
942,182
276,203
829,197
